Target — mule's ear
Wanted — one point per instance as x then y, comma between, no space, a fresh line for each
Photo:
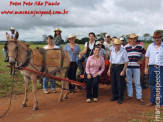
16,36
7,36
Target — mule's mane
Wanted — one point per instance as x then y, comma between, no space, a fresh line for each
23,44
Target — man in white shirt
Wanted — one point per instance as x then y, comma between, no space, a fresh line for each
107,44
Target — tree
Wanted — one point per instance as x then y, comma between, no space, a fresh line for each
44,37
147,37
101,35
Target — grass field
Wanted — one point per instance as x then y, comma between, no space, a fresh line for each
6,78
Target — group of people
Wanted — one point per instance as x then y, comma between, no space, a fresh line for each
125,59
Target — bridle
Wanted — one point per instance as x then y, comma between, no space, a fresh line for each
28,57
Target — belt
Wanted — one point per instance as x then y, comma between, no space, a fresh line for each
156,66
117,64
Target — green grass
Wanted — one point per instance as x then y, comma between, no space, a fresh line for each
6,78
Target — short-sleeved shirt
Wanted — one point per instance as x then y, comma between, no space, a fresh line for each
120,57
134,54
107,47
72,52
102,52
155,56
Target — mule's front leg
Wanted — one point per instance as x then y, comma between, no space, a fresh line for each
34,81
62,90
26,80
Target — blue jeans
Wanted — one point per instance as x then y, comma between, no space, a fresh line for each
45,83
136,76
152,84
4,52
79,63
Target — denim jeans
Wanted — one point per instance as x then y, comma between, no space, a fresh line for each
4,52
79,62
136,76
152,84
45,83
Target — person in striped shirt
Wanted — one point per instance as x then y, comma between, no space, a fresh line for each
134,51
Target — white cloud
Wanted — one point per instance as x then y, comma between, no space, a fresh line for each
111,16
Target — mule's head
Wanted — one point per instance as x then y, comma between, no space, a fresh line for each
12,50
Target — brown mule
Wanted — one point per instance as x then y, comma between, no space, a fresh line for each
18,51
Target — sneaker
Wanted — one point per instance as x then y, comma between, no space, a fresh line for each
46,92
88,100
95,100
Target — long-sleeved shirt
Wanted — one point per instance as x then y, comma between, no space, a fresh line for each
95,67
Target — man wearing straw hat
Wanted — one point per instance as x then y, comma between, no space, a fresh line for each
117,68
154,67
134,52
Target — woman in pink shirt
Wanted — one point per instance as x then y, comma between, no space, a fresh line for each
94,68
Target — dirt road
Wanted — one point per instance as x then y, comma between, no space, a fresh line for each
75,109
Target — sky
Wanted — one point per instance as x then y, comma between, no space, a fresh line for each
115,17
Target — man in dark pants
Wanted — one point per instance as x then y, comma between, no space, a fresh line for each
118,65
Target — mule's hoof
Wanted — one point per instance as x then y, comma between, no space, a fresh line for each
60,100
65,97
23,105
35,108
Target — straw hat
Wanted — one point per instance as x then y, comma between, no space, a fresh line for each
132,36
157,34
57,29
12,28
98,42
71,36
117,41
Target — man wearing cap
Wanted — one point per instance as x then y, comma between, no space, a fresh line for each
134,52
57,37
102,51
154,68
12,36
107,44
117,68
122,41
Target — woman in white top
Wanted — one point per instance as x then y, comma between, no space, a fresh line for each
45,80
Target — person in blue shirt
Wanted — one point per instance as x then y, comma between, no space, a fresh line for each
72,49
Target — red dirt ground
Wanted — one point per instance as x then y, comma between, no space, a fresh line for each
75,109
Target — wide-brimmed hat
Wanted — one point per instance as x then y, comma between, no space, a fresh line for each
117,41
71,36
157,34
132,36
12,28
57,29
107,35
98,42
